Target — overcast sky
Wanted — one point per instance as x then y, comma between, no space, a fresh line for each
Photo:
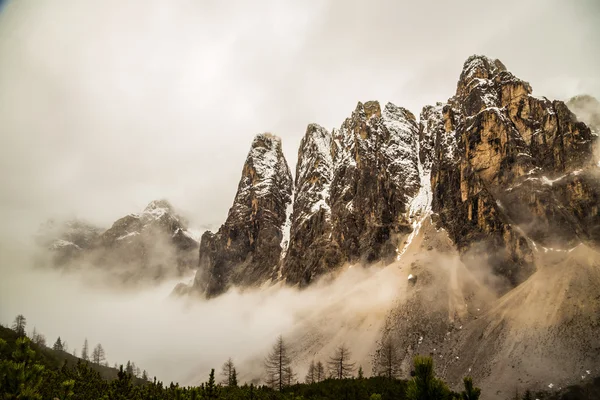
105,106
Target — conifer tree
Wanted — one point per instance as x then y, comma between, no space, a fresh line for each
98,355
311,374
388,360
38,338
277,365
21,377
361,375
340,366
19,325
58,345
424,384
85,351
228,373
471,392
319,372
210,389
145,375
234,381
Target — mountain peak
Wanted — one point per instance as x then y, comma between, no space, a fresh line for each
480,66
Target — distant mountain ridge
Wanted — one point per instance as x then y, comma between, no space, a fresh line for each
150,245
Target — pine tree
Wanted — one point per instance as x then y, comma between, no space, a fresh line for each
21,377
19,325
210,389
84,351
388,360
145,375
361,375
98,355
311,374
471,392
58,345
129,368
277,365
228,372
319,372
424,384
234,381
340,366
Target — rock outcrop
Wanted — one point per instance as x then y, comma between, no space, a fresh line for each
311,251
352,193
508,167
247,248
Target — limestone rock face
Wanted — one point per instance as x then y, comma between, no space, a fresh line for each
311,251
376,175
508,166
247,248
352,192
501,170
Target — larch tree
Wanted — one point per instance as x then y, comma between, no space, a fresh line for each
340,366
19,325
277,365
228,373
145,375
388,360
290,376
38,338
311,374
84,351
319,371
98,355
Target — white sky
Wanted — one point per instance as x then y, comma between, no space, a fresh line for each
105,106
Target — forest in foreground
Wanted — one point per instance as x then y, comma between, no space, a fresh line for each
29,370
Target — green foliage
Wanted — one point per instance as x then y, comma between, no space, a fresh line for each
424,385
30,372
471,392
21,376
210,389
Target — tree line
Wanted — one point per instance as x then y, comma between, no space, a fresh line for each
24,376
97,355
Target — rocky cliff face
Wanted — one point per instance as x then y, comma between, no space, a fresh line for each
352,192
508,167
501,170
149,245
311,251
246,250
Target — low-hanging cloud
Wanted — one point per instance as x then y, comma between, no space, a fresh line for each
105,107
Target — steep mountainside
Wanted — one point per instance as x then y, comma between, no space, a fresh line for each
246,249
149,245
508,166
361,191
352,192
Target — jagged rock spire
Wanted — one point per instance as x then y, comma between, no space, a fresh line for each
246,249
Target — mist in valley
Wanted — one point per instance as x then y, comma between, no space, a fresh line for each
105,107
